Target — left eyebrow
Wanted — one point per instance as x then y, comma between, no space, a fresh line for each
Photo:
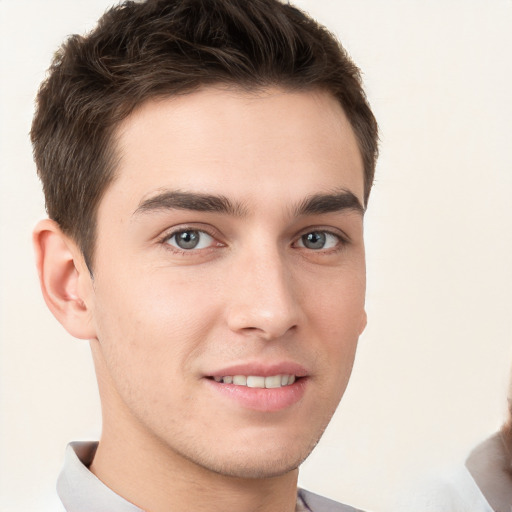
330,203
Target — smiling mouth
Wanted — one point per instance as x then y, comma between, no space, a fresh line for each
257,381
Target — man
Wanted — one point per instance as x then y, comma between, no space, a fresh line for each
206,167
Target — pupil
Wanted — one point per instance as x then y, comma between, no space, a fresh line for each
187,239
314,240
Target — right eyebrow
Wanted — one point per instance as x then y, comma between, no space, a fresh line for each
179,200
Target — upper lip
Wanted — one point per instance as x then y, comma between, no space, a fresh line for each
261,369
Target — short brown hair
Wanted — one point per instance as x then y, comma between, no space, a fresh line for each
143,50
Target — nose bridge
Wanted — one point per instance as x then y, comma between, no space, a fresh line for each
264,300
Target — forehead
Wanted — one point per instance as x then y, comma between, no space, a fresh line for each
234,142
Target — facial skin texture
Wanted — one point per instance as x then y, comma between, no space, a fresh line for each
163,320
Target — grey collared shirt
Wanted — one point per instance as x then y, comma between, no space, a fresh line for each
81,491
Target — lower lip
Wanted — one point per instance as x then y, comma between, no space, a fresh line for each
261,399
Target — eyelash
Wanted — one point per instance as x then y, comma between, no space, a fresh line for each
343,240
164,240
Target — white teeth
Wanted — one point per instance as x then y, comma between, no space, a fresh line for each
273,382
257,381
240,380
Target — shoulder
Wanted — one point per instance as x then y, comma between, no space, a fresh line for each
318,503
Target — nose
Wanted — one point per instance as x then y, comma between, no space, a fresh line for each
264,301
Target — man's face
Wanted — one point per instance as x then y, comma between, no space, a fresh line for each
230,254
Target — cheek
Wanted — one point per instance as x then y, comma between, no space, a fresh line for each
149,340
340,310
150,323
337,320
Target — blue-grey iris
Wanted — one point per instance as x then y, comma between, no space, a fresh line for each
314,240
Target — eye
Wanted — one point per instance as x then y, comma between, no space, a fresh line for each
188,239
318,240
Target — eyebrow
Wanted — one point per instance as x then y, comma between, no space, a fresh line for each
337,201
316,204
178,200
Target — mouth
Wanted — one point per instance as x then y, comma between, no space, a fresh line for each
257,381
260,388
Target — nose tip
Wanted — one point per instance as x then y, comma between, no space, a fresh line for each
262,322
265,302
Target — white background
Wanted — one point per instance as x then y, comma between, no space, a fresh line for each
431,375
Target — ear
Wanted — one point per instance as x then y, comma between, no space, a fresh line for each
65,280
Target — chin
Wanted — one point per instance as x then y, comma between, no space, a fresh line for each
258,462
254,469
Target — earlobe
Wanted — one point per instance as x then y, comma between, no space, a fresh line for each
64,279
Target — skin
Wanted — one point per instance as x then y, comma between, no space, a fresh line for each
161,319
